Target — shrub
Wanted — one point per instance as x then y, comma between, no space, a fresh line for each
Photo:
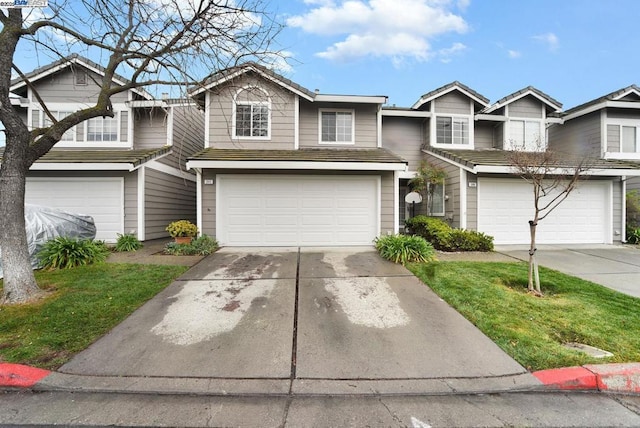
65,253
127,242
201,246
633,235
404,249
633,210
445,238
182,228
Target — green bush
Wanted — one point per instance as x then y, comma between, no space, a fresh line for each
404,249
633,235
633,210
65,253
127,242
445,238
202,246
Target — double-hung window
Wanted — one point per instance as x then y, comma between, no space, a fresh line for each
525,135
452,130
252,120
629,139
336,127
59,115
103,129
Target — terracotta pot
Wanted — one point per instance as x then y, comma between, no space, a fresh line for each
183,239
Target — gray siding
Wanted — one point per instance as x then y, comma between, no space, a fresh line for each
150,128
221,115
618,197
472,202
387,206
167,198
61,88
579,136
188,136
130,203
453,102
526,107
623,114
483,135
404,137
613,138
208,203
633,184
366,124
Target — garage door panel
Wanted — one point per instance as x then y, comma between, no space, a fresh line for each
101,198
505,207
297,210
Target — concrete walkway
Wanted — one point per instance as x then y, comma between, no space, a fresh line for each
310,321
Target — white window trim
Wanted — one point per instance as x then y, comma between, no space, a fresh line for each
353,127
507,144
444,200
252,103
73,107
620,123
434,136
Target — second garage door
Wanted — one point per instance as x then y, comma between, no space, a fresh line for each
292,210
101,198
505,207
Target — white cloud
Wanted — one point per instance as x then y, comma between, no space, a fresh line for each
514,54
550,39
446,54
389,28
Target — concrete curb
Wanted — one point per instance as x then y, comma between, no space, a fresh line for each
619,378
20,376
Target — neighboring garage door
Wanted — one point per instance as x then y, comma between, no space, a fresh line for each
505,207
262,210
101,198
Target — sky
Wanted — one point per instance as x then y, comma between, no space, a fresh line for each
573,50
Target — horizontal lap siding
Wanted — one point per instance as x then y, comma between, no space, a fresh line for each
61,88
221,117
453,102
188,136
366,124
167,198
579,136
150,128
387,207
472,201
131,203
404,137
451,188
613,138
483,135
528,107
618,197
208,203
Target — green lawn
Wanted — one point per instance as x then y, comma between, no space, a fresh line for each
84,303
531,329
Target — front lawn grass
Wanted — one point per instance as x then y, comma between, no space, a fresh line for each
81,305
493,296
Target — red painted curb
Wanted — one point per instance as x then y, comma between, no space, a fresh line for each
568,378
20,376
623,377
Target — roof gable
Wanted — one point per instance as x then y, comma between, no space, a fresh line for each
67,62
629,93
550,102
453,86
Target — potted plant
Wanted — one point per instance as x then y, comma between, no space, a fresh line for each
182,231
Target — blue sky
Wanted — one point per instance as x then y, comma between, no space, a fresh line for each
574,50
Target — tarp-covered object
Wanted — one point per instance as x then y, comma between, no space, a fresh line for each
43,224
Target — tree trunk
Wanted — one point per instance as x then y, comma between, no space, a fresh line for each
19,282
534,277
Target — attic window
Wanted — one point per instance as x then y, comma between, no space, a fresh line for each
80,77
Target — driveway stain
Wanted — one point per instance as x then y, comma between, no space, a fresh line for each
204,309
368,301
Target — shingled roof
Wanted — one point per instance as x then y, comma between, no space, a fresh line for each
615,95
302,155
481,99
133,158
495,157
551,102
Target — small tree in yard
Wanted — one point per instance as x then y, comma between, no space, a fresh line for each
427,178
153,42
552,179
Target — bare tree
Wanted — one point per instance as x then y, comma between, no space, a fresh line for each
552,177
153,42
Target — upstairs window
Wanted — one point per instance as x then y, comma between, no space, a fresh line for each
525,135
629,139
102,129
59,115
252,120
336,127
452,130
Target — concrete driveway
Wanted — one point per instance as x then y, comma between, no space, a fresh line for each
308,321
614,266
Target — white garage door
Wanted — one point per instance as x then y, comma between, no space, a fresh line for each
101,198
296,210
505,207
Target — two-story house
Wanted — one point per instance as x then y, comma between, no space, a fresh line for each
283,165
128,172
